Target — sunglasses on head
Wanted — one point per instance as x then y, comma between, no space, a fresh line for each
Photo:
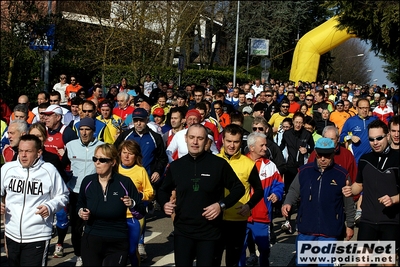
102,160
379,138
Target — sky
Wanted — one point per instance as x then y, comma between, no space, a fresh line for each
375,64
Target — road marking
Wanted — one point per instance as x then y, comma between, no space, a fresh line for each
149,235
167,260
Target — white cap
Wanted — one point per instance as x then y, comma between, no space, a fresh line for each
249,95
53,109
247,109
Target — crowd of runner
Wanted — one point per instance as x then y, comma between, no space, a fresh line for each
263,141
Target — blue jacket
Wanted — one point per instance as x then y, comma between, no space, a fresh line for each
359,127
99,132
322,203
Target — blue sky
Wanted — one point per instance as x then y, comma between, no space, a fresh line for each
377,71
375,64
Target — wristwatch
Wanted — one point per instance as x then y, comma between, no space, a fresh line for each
222,205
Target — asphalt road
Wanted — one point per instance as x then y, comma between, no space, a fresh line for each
159,245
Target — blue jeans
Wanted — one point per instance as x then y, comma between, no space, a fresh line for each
302,237
260,234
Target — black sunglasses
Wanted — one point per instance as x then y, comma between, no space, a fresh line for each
285,106
102,160
258,128
379,138
325,155
87,110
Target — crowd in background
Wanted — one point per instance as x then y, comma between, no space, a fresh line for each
145,125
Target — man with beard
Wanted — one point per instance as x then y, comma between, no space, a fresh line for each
277,118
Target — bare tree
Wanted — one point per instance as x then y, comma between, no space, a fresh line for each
351,62
19,19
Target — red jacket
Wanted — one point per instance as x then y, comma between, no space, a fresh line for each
271,182
384,114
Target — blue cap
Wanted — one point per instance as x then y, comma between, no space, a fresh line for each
139,113
324,146
89,122
132,92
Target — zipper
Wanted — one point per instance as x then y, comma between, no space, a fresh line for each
319,195
86,157
105,193
23,207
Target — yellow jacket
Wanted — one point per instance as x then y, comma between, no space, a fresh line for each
141,180
242,166
113,124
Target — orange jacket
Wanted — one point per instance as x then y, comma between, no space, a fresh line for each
70,92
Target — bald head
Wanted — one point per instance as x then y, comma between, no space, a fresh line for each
23,99
146,106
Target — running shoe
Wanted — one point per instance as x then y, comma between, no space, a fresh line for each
287,227
142,252
79,261
58,252
252,260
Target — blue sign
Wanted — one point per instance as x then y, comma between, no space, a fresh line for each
259,47
42,38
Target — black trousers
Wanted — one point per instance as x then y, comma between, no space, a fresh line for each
232,240
76,223
104,251
27,254
187,249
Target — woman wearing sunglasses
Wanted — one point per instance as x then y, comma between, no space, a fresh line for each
130,165
103,201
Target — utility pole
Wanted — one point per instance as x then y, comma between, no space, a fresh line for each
236,44
47,57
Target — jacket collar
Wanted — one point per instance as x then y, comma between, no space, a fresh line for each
234,156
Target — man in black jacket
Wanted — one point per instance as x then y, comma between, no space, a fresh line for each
199,179
377,178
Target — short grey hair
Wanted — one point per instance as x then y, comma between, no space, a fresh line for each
124,95
22,108
22,126
330,128
252,138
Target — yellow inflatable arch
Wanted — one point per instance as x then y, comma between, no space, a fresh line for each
311,46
